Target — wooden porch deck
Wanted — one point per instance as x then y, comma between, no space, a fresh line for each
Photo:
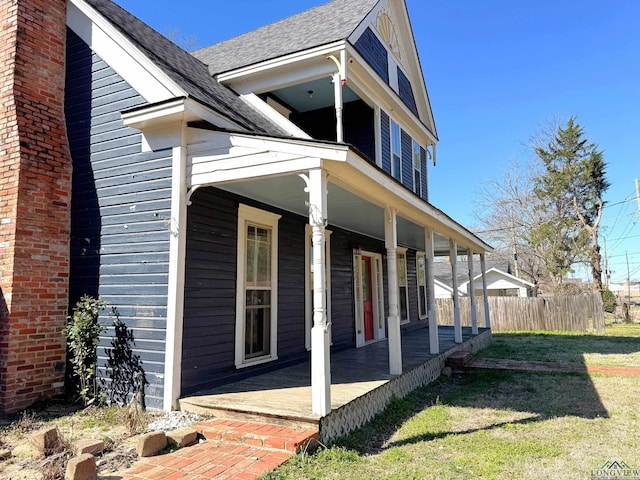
284,395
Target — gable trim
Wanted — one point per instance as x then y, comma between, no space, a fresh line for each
121,54
267,65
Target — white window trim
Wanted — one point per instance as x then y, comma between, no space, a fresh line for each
403,321
308,313
247,215
426,294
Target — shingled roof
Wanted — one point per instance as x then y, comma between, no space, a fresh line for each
442,270
187,71
317,26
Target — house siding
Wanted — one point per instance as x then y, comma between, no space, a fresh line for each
210,291
120,203
358,125
407,160
424,173
406,92
385,142
374,53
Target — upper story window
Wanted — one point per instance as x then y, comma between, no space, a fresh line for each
417,169
396,151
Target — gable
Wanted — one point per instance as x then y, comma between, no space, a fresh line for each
385,41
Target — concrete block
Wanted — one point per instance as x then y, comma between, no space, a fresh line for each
151,443
46,441
182,437
82,467
89,445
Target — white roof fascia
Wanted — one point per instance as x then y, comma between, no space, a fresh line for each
288,146
280,62
443,285
157,121
506,275
121,54
416,205
273,115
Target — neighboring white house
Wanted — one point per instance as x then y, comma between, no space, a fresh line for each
500,282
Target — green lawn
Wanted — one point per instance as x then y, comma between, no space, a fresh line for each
619,346
500,425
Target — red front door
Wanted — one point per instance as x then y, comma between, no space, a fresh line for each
367,303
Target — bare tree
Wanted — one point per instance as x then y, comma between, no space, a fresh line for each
506,210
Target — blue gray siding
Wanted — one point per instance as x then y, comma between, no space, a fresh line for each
406,92
120,203
385,141
407,160
374,52
210,291
423,173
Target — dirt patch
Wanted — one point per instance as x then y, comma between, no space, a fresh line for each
108,424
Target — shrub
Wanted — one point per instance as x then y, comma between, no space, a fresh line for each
83,334
609,302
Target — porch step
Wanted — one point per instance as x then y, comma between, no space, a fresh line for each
459,360
262,435
206,409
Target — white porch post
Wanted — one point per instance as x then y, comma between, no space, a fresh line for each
320,341
434,342
175,295
457,325
393,321
487,317
472,294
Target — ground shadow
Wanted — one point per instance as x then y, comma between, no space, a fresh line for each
539,396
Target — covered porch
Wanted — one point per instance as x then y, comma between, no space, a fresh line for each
361,384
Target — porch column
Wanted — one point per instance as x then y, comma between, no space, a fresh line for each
472,294
175,296
434,342
320,341
457,325
393,321
487,319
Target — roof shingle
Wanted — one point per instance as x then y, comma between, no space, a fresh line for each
317,26
187,71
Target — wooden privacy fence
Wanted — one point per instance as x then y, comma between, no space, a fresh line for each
575,313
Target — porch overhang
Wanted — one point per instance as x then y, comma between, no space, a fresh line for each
268,170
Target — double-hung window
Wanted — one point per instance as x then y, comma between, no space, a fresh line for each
257,292
396,151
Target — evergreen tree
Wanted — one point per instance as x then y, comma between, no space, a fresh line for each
571,190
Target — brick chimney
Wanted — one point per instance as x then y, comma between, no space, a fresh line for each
35,196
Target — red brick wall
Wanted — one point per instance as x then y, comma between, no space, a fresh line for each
35,195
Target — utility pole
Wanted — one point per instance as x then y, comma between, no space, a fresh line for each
638,193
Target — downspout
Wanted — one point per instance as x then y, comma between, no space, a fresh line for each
339,81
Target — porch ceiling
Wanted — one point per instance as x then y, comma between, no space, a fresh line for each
346,210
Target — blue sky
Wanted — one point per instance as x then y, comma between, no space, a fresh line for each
496,72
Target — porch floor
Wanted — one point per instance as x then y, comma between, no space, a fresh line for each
285,394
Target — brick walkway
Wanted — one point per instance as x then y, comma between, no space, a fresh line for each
232,450
506,364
